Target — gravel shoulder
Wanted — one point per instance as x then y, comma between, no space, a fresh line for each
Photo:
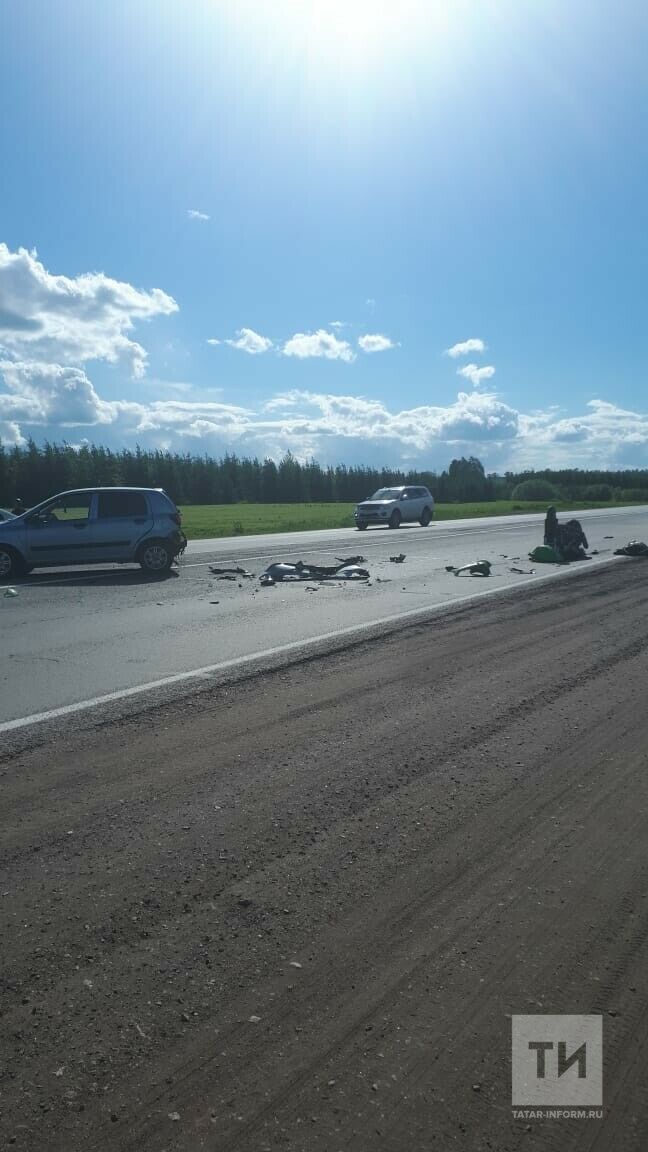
298,911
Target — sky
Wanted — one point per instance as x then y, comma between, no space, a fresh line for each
388,232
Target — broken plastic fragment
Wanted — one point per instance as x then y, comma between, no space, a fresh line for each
476,568
236,571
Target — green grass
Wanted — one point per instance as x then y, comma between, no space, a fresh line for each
202,521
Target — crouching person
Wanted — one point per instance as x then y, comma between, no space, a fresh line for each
572,543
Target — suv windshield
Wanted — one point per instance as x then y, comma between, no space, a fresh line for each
387,494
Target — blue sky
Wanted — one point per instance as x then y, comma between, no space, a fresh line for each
334,193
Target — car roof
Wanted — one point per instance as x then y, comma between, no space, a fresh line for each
107,488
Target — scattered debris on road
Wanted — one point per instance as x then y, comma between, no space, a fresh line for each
10,592
476,568
523,571
289,573
397,559
231,573
545,554
568,540
634,548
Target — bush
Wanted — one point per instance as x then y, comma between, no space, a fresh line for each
632,495
535,490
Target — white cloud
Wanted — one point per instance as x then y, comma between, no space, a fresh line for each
472,418
72,320
51,394
305,345
10,434
466,347
250,342
213,341
375,343
194,214
338,324
48,399
602,436
475,374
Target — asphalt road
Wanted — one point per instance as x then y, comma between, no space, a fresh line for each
298,912
70,637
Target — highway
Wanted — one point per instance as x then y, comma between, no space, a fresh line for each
72,638
296,913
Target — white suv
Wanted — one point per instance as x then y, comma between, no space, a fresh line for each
395,506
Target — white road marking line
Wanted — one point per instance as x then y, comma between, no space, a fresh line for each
373,545
282,649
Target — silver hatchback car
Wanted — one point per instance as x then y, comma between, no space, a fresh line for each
94,526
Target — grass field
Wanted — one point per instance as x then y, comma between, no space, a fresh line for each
202,521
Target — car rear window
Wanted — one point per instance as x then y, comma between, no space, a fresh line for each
115,504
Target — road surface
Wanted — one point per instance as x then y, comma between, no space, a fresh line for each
70,637
298,912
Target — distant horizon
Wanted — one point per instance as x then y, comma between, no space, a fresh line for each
359,466
350,229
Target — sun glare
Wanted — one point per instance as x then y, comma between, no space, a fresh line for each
360,31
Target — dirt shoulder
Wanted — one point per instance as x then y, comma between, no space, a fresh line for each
298,912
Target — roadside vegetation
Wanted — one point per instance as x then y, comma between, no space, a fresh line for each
234,495
204,521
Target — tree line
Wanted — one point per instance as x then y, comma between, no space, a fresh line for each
34,472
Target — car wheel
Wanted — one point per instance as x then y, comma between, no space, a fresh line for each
395,519
425,518
361,527
155,557
11,563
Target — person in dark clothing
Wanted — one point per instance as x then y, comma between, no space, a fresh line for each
573,541
551,527
568,540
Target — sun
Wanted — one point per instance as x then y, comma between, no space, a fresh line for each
359,31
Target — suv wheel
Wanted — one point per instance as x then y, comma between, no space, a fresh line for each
155,557
425,518
361,526
395,519
11,564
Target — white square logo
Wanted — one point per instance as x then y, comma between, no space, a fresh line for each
557,1061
